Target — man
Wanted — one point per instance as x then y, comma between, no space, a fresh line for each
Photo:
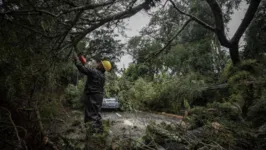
93,92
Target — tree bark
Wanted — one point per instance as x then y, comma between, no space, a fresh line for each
234,54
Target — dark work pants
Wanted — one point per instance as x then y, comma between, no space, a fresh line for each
92,107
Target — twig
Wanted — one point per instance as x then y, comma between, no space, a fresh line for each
76,19
165,3
15,128
25,145
25,131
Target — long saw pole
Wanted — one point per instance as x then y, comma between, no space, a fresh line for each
80,57
76,54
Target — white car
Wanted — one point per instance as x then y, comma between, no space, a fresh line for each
110,103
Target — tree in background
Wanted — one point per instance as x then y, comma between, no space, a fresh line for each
190,49
221,12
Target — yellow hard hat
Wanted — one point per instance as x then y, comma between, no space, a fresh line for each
106,65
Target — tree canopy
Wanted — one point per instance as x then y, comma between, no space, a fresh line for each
183,63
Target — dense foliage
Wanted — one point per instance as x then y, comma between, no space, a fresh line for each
183,63
37,39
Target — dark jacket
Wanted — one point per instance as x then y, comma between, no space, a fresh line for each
95,79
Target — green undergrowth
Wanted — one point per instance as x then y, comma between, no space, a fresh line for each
218,126
233,122
73,95
89,140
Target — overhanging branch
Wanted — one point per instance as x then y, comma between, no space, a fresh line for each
204,24
121,15
76,19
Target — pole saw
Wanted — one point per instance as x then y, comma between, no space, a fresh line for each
82,59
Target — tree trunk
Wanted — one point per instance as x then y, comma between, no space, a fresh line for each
234,54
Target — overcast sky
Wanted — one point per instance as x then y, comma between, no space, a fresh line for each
141,19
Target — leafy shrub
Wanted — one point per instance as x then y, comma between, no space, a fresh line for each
245,83
218,125
174,91
257,112
73,95
226,113
249,66
166,93
111,85
140,95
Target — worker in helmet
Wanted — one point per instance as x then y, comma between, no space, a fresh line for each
94,91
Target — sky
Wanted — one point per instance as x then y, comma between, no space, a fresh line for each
141,19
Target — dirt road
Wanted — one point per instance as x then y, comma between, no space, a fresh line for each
123,124
133,124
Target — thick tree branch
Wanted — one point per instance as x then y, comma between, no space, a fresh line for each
219,22
35,11
218,14
86,7
252,9
121,15
204,24
168,43
101,22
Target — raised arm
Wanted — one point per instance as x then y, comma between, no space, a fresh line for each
81,67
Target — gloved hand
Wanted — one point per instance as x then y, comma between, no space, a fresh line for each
79,57
82,59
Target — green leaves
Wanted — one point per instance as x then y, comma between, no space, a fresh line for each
186,104
73,95
163,93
